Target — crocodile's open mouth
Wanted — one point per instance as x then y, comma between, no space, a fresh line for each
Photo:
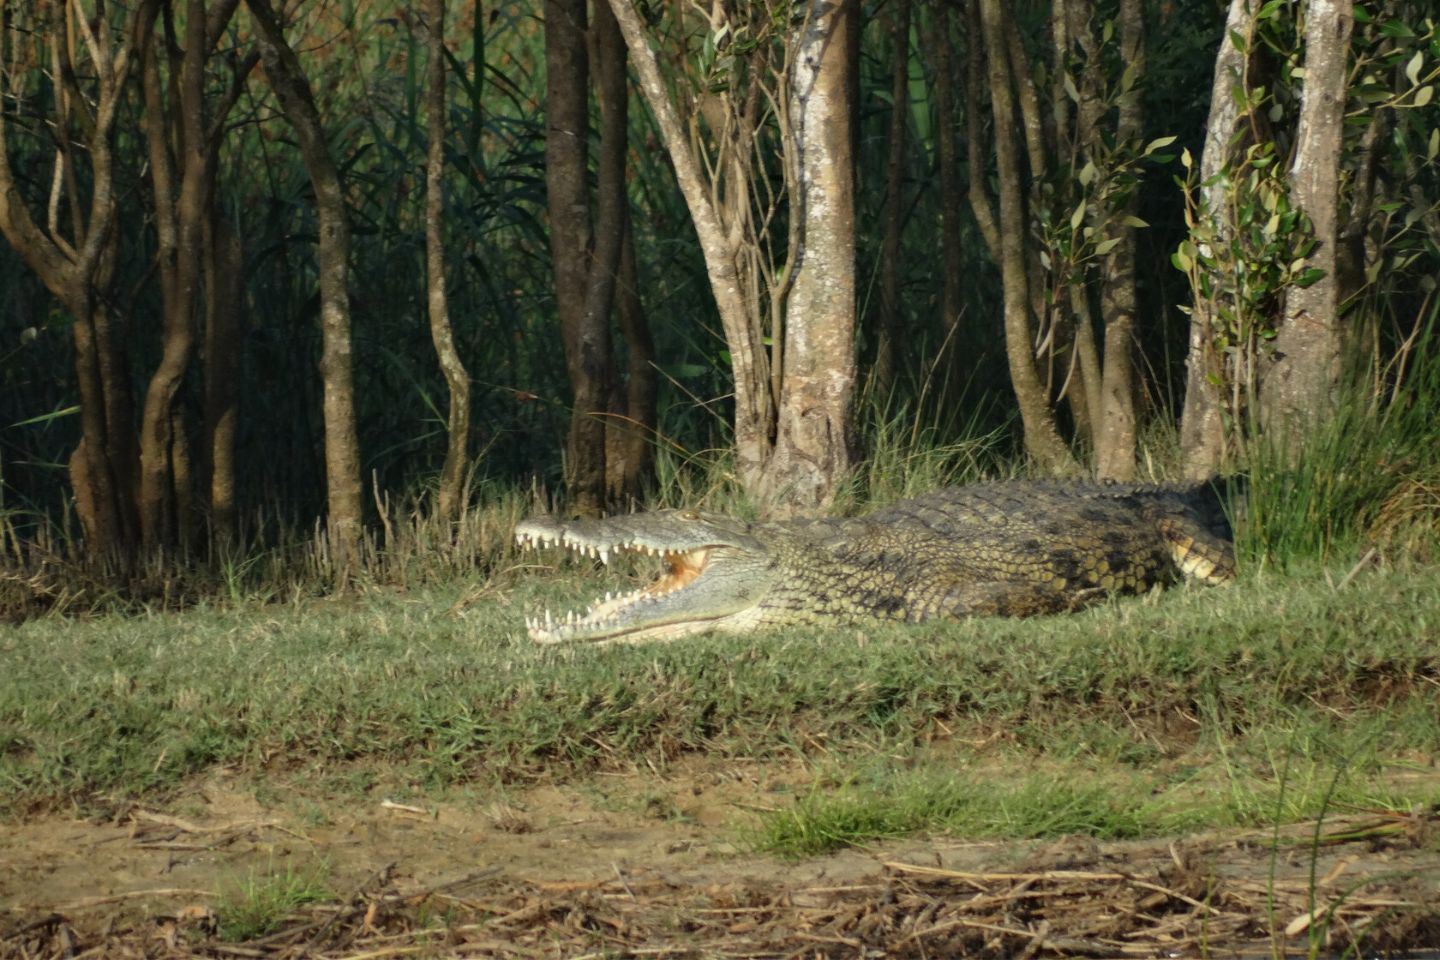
614,614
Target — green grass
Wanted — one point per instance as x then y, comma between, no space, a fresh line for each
426,693
258,903
1018,796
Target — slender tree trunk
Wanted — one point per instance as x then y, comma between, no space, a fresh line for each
451,498
1202,425
179,227
754,398
631,424
631,453
813,440
611,218
975,84
567,126
1299,386
584,280
890,336
938,40
1042,439
1115,433
342,443
223,298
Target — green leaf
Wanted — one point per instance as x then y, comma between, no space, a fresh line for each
1412,69
1181,262
1397,29
1130,220
1157,143
1077,216
1087,173
1186,160
1424,95
48,417
1105,246
1434,148
1269,9
1361,14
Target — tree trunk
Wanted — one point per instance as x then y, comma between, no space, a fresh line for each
179,224
975,83
630,426
1042,439
78,271
451,497
1298,386
584,279
567,195
1115,432
938,40
342,444
630,453
223,339
1202,425
813,438
754,396
890,335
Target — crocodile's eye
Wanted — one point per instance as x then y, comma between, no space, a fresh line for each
689,515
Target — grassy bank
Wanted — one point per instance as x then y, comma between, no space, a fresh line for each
1204,699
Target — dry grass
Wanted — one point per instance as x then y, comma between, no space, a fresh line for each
1218,895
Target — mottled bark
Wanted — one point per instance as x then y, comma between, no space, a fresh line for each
813,437
1042,438
1202,424
451,496
1115,434
342,443
1299,378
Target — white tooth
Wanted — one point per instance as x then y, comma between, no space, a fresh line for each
605,555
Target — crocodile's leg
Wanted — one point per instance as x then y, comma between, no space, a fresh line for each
1013,598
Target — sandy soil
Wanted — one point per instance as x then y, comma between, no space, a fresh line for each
640,865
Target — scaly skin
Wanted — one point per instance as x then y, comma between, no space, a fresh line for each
1012,549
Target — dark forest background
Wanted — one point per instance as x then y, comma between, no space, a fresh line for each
168,276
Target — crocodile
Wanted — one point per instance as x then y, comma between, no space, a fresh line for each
1002,549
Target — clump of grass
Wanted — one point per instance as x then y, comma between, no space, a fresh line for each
260,902
1021,795
905,455
908,802
1369,475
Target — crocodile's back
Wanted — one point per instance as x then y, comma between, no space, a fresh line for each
1026,548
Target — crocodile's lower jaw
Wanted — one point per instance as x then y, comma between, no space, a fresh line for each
573,629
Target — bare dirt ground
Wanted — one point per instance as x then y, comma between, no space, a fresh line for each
649,866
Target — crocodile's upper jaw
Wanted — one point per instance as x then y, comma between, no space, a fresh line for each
658,610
